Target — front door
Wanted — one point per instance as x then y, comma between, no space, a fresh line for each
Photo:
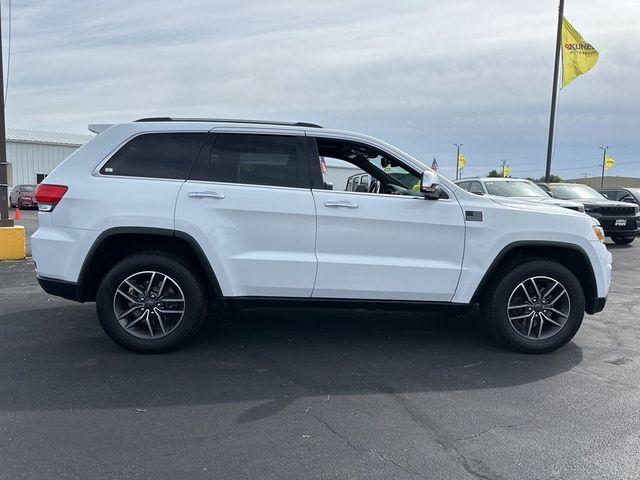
389,243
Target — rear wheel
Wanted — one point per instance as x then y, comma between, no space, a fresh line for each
535,306
623,240
150,303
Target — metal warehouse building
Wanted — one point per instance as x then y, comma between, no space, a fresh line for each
32,155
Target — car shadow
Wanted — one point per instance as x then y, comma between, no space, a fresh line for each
267,357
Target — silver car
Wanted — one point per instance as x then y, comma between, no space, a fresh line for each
518,188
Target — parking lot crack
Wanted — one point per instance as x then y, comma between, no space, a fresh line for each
361,450
495,427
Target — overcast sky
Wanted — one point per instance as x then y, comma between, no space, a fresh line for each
419,74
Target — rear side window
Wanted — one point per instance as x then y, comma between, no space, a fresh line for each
254,159
157,155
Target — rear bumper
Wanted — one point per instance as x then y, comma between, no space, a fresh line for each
596,305
60,288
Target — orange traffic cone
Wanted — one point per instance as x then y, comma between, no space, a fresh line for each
17,216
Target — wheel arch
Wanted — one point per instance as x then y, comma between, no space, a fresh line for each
116,243
569,255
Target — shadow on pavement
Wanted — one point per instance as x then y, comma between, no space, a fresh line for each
59,358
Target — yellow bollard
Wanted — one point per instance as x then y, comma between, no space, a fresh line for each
12,245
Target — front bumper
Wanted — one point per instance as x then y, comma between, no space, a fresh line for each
608,224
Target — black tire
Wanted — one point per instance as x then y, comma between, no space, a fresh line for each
623,240
20,204
495,303
189,285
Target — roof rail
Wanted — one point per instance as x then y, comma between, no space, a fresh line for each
228,120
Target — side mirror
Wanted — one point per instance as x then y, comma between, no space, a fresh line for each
629,200
429,184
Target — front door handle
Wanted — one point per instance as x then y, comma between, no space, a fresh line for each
341,204
206,195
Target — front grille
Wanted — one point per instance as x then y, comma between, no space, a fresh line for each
617,211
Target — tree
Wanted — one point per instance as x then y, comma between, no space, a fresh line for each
542,179
494,174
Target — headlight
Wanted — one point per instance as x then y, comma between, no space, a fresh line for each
599,232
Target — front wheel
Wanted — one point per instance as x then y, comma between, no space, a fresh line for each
150,303
623,240
536,306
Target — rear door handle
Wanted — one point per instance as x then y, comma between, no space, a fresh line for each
206,195
341,204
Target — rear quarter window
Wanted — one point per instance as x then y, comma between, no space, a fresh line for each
156,155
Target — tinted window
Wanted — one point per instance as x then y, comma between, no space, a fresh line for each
476,187
27,188
254,160
464,185
158,155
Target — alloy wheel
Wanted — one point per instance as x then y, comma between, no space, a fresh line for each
538,308
149,305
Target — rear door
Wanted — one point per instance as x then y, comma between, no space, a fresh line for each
386,247
248,204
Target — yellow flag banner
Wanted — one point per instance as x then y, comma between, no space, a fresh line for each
461,161
608,162
578,56
506,171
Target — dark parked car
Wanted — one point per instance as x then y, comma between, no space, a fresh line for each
23,196
620,194
620,220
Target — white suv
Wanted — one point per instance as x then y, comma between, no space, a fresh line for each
157,219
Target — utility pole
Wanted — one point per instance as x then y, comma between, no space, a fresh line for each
457,158
604,157
554,94
5,221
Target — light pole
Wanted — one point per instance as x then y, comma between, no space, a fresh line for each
5,221
604,158
457,158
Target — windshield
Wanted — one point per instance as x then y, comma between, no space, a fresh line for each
27,188
514,188
577,191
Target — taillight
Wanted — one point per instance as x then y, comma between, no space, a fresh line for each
48,196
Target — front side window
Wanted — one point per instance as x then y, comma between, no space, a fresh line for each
464,185
156,155
254,159
384,173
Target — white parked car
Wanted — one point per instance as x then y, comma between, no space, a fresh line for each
517,188
157,219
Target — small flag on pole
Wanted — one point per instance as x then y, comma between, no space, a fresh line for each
323,165
462,162
434,165
608,162
506,171
578,56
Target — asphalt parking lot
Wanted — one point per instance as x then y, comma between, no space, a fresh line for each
316,394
